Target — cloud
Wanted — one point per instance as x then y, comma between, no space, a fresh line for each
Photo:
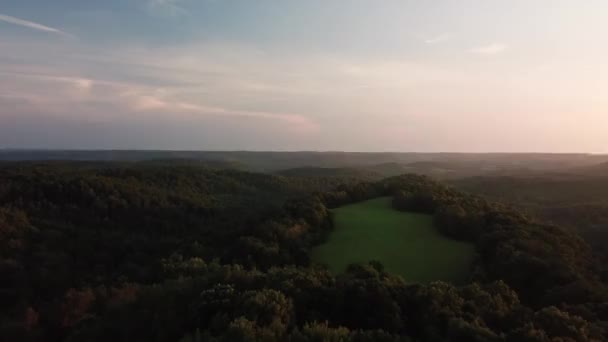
491,49
166,7
438,39
30,24
84,84
154,103
65,95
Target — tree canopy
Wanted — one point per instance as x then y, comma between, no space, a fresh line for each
128,252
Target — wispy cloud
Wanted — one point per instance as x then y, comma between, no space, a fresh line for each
30,24
438,38
154,103
167,7
64,93
490,49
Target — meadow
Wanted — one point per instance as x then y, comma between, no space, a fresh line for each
407,244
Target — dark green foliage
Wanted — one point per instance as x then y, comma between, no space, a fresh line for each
577,201
152,252
545,264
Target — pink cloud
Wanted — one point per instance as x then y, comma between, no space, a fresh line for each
153,103
61,93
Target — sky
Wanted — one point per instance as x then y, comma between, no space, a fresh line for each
348,75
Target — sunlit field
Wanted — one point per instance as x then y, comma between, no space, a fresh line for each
407,244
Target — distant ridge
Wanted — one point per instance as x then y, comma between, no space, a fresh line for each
600,169
385,163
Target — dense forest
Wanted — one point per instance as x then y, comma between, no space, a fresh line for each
160,251
460,164
577,200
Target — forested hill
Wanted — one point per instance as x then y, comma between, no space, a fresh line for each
164,252
320,172
275,161
577,200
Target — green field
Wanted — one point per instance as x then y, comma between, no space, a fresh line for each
406,244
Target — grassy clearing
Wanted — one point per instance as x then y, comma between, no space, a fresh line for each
406,243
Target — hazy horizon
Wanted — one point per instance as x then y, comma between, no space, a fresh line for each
355,76
42,149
